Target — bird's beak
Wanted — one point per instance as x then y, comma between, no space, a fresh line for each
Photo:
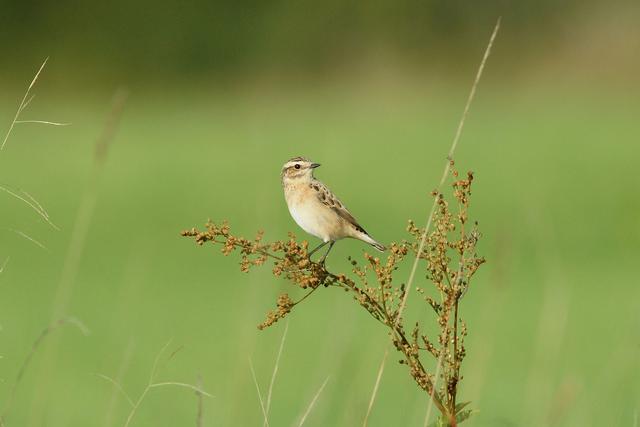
314,165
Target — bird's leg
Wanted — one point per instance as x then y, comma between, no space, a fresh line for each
316,248
324,257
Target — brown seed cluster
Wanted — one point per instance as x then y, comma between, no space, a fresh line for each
284,306
449,262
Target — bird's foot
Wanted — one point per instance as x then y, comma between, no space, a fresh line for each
321,263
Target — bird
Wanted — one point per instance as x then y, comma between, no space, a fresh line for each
316,209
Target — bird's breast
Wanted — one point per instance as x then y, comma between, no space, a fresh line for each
309,213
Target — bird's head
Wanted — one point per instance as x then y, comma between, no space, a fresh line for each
297,169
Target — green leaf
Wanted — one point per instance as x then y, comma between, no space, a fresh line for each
460,406
464,415
441,421
461,416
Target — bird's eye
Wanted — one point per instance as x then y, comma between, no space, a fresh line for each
297,166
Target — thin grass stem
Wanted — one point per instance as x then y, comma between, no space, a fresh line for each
376,386
255,381
200,413
275,368
151,385
29,238
25,101
27,360
118,387
119,376
183,385
312,403
435,381
32,203
43,122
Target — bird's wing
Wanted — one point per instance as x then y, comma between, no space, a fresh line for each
326,197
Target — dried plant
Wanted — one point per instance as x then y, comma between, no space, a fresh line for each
448,259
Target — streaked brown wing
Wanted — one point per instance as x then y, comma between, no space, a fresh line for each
327,198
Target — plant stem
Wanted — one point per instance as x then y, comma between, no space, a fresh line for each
456,366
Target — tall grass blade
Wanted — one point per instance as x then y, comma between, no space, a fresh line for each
255,381
275,368
312,403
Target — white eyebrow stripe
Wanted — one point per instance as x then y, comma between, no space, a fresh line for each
291,164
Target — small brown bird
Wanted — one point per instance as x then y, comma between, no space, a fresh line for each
316,209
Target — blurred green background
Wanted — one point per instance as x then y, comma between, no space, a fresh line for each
221,94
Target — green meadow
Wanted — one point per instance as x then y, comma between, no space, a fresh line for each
553,316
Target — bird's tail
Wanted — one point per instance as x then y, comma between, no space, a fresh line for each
366,238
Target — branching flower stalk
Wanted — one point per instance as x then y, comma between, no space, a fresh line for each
449,260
